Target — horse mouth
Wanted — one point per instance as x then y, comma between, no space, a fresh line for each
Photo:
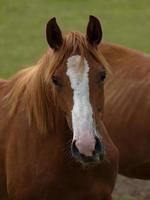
89,160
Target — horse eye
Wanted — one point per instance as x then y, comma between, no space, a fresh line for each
102,75
56,80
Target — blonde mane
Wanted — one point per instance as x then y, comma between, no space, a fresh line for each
31,87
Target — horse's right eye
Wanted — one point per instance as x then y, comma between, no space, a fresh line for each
56,80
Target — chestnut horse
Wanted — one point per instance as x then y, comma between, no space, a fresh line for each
127,108
46,107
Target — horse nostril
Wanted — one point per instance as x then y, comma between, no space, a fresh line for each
98,145
99,149
74,149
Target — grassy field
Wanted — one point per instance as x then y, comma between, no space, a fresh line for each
22,27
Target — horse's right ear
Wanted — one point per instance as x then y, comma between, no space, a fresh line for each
53,34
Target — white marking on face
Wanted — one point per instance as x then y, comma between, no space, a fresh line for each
84,130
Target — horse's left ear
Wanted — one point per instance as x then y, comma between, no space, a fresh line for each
94,31
53,34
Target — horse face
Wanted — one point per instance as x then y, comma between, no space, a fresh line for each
88,98
78,85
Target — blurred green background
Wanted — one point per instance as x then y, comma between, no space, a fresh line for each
22,26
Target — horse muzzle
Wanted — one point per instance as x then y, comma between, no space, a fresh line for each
88,154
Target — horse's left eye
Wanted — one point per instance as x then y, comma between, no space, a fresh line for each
102,75
56,80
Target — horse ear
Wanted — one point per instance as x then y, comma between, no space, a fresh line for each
94,31
53,34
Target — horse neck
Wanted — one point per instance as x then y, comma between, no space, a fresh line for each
130,81
123,58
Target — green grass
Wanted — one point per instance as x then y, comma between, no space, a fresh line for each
22,26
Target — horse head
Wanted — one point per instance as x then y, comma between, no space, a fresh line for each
78,83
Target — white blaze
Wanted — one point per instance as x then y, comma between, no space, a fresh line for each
84,131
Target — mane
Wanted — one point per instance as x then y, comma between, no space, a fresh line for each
31,87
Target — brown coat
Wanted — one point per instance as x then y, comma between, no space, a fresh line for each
127,108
